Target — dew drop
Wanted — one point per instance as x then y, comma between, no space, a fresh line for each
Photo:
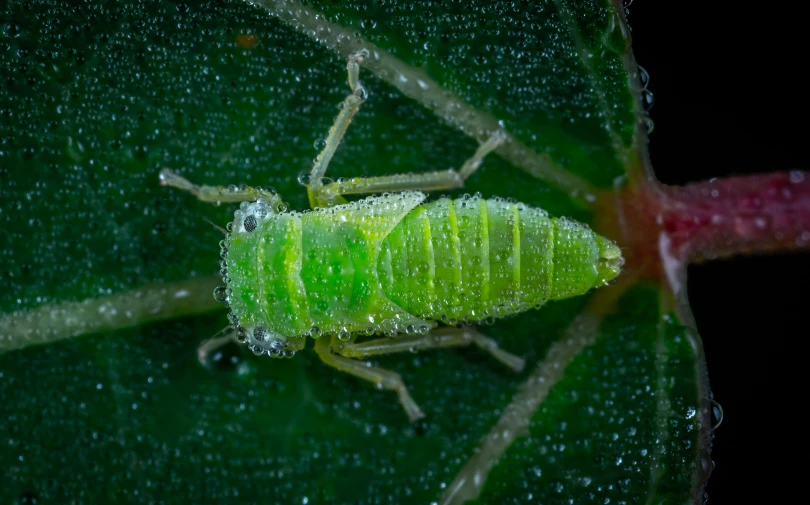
690,412
221,294
717,415
644,76
647,99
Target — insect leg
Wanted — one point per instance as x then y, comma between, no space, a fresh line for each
220,194
383,379
350,106
436,339
426,181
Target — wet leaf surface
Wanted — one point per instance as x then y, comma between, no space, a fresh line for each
97,97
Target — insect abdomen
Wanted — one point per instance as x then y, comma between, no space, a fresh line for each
471,259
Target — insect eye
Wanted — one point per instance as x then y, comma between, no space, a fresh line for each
260,334
250,223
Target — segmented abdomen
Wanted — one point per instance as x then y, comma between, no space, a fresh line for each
473,258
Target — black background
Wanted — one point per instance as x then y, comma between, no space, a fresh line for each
730,98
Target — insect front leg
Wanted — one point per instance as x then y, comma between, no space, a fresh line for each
221,194
435,339
427,181
383,379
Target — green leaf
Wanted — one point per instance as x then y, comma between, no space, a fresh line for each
97,97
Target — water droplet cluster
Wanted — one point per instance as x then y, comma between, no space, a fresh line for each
249,216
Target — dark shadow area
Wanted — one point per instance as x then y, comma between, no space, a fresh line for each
728,101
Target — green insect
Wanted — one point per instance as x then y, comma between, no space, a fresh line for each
392,264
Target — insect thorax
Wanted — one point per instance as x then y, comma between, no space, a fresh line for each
311,273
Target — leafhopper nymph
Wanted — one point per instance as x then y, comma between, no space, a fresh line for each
392,264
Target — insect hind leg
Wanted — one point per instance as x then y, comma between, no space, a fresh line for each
436,339
383,379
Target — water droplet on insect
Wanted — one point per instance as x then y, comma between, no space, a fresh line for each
647,99
690,412
319,144
717,415
644,77
304,178
261,208
221,294
344,335
314,332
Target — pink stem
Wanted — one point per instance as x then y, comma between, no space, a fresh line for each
744,214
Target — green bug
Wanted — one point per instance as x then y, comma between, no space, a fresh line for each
392,264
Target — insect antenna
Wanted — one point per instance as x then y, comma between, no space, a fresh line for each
220,228
212,343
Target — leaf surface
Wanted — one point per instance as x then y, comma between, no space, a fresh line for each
97,97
